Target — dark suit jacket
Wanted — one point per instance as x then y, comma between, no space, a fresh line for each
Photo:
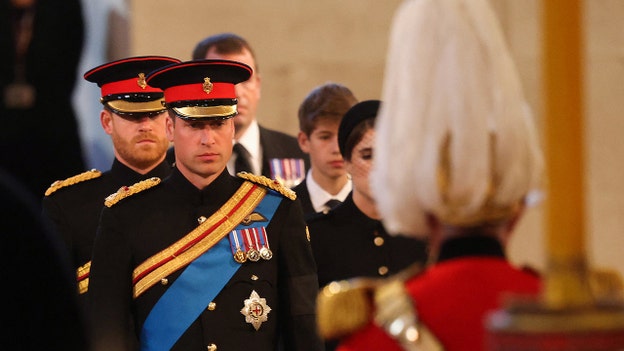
276,144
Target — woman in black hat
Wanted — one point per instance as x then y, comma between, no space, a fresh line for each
350,240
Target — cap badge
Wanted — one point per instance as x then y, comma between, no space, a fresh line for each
141,81
256,310
207,86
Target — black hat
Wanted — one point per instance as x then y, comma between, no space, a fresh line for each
123,85
201,89
357,113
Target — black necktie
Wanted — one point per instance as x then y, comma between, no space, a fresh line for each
331,204
242,159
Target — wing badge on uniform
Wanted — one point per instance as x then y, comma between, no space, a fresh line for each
252,218
256,310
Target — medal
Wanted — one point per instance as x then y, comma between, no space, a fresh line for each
239,255
265,251
253,255
252,246
288,171
255,310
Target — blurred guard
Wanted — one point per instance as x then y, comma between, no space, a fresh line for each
465,160
134,116
203,260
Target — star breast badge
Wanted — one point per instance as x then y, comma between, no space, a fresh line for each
256,310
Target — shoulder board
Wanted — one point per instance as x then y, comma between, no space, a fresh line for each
126,191
84,176
343,307
269,183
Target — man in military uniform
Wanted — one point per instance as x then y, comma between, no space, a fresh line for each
203,260
464,163
134,117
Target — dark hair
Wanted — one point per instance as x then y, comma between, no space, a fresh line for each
348,134
224,43
356,135
329,101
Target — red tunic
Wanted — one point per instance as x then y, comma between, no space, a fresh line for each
452,299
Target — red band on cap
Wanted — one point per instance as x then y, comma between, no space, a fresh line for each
127,86
197,92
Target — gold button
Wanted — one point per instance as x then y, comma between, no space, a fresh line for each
201,219
254,277
378,241
212,306
383,270
164,281
212,347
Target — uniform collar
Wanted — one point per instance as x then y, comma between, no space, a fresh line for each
219,191
126,176
470,245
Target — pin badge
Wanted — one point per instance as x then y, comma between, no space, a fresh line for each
256,310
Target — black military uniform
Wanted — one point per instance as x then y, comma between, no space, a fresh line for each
140,226
346,243
75,210
74,204
185,266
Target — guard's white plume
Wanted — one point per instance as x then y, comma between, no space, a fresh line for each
450,80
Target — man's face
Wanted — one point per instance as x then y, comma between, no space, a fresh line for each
322,146
139,143
202,148
247,93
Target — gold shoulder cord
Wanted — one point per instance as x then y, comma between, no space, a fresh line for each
346,306
84,176
343,307
269,183
126,191
395,313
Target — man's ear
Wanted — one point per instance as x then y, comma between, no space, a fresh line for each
106,120
169,127
304,142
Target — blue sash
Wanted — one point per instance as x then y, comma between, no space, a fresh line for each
200,282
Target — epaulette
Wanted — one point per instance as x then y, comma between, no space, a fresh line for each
126,191
269,183
347,306
344,307
84,176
